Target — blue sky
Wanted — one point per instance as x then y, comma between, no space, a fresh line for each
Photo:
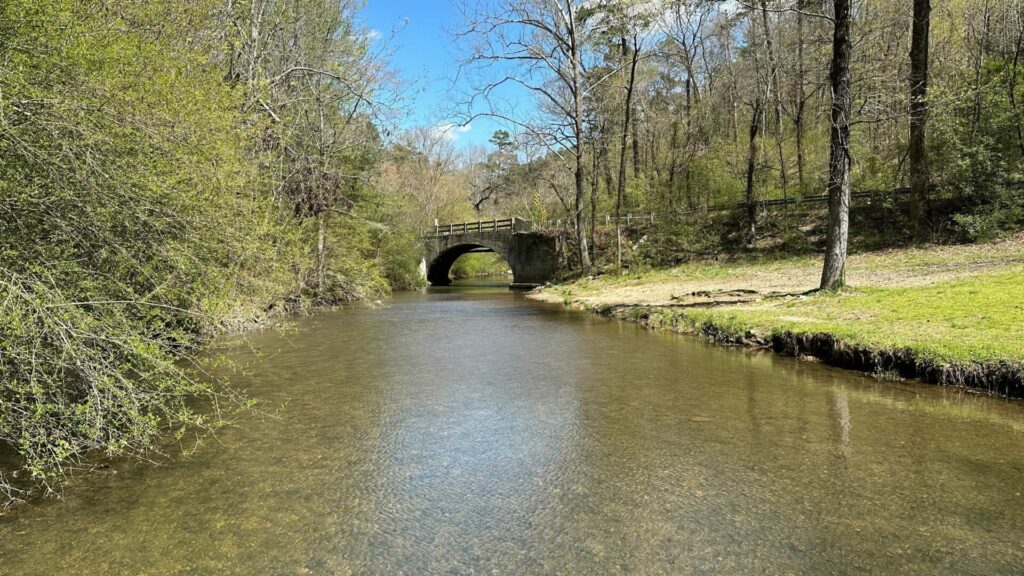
425,57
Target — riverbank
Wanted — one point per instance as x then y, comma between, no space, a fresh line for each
950,315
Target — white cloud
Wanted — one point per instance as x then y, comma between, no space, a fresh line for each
372,35
452,131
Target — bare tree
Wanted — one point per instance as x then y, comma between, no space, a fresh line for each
687,30
424,161
799,109
631,46
774,91
761,94
540,46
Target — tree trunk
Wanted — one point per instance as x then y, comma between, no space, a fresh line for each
833,275
775,93
689,141
1012,87
594,179
978,64
752,152
577,98
734,130
673,165
636,145
321,254
581,219
919,201
622,151
801,101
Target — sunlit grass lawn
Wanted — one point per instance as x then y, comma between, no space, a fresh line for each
980,318
946,303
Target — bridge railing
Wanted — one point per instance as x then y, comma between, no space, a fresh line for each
628,219
493,225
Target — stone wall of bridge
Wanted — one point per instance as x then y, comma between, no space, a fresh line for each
532,256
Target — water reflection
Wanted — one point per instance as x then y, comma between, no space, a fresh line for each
463,430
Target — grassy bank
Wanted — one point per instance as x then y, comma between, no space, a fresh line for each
952,315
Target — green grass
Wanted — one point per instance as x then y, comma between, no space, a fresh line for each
751,270
948,304
979,319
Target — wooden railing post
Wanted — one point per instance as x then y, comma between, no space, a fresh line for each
451,229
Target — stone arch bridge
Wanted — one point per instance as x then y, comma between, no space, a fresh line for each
532,256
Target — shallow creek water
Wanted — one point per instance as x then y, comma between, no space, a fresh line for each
470,431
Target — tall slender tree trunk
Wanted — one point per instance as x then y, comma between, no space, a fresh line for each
578,135
801,100
752,153
636,144
833,275
689,140
581,218
979,60
622,150
919,201
734,121
321,254
609,179
673,165
1014,73
775,93
594,180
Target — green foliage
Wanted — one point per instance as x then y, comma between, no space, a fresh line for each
398,255
479,266
1002,215
976,155
137,219
680,240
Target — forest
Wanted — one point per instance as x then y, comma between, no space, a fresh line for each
178,169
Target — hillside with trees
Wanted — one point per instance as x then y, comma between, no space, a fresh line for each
722,117
169,170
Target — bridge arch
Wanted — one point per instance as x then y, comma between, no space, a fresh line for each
438,269
532,256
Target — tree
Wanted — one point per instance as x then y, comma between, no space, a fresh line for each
761,94
919,201
422,164
159,163
631,53
774,90
495,172
627,25
834,271
540,46
313,86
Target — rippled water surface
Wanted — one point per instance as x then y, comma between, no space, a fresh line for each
468,431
